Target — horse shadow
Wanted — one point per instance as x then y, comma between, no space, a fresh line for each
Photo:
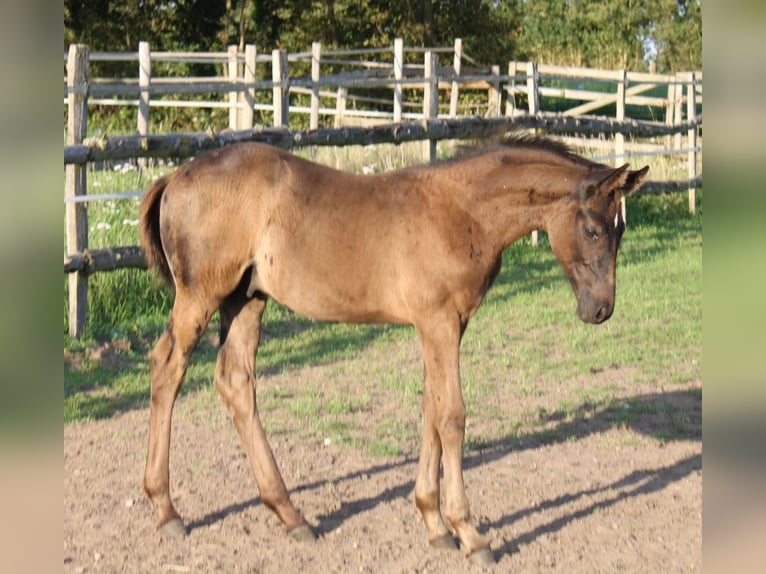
667,416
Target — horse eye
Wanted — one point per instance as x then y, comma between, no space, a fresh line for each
591,233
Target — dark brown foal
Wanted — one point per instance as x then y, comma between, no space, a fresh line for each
419,246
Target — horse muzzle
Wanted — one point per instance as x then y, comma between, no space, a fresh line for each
594,311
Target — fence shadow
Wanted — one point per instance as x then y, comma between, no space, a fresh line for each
667,416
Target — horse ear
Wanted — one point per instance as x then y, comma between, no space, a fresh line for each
634,180
601,182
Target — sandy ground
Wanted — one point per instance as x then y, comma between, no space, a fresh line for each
592,497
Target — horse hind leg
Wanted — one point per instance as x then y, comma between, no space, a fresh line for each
169,361
235,381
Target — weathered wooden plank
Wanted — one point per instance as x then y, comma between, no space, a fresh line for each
144,82
572,72
653,187
398,74
494,95
619,139
190,144
431,97
533,88
454,86
76,183
232,71
92,261
510,89
316,57
281,89
691,161
340,106
248,96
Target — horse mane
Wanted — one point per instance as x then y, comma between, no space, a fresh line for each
520,141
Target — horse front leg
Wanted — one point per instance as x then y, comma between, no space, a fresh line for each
427,496
441,346
235,381
169,361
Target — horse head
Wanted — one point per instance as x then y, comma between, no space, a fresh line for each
585,235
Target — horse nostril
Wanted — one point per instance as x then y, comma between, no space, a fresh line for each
602,314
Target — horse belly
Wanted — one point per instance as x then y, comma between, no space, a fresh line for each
327,282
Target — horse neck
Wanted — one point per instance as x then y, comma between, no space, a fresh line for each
512,198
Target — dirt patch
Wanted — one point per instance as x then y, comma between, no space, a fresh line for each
615,487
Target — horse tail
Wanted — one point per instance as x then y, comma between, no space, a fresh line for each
150,230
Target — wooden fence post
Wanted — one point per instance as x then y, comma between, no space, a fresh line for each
233,73
431,96
533,88
456,67
510,90
281,90
691,158
76,183
533,98
398,73
679,103
144,83
316,55
340,106
247,115
670,108
494,96
619,139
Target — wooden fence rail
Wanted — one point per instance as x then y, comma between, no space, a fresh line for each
185,145
372,102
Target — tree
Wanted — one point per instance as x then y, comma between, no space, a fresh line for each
593,33
677,35
597,33
613,34
111,25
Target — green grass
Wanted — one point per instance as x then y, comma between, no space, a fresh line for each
530,368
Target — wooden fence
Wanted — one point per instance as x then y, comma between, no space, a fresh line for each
412,83
423,101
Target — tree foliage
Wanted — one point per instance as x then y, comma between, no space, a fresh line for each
614,34
596,33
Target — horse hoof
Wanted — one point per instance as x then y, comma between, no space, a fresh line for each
302,533
481,557
444,542
173,528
